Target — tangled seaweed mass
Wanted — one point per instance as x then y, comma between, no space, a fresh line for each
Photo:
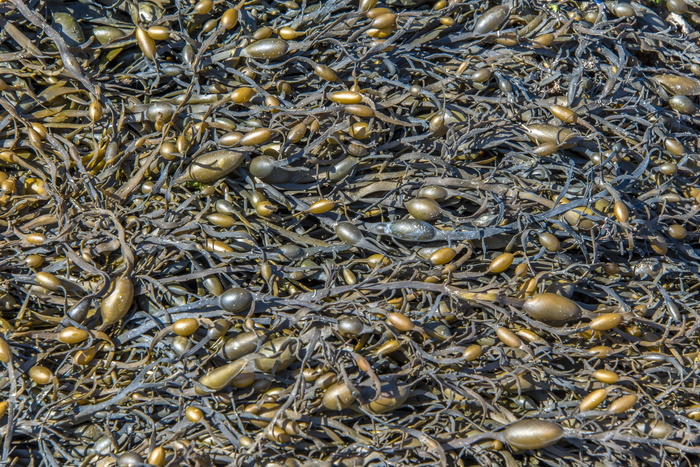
335,233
